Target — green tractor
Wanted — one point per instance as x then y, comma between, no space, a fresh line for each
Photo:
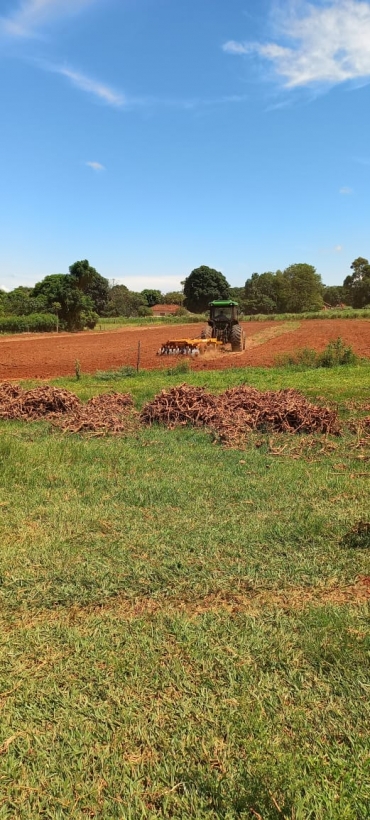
223,324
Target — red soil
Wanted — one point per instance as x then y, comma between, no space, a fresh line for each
51,355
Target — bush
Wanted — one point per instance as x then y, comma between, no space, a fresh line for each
34,323
306,358
336,353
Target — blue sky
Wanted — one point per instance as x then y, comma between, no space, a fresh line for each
153,136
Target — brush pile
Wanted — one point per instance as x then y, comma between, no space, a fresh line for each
231,415
236,412
40,403
181,405
108,413
280,411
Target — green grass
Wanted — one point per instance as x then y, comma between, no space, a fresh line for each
337,383
133,684
114,322
345,313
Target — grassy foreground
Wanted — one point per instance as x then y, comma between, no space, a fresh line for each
184,629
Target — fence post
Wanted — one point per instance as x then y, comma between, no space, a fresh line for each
138,357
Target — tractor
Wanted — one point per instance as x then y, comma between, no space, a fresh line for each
223,328
223,324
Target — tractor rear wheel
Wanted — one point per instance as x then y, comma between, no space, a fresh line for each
206,332
237,339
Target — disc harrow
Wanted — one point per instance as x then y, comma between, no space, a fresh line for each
188,347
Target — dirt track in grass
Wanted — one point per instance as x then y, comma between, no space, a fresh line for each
50,355
249,602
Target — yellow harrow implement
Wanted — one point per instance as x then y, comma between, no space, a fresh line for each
188,347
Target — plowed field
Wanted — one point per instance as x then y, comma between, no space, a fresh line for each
50,355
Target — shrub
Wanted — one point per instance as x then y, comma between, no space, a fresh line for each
34,323
336,353
306,358
143,310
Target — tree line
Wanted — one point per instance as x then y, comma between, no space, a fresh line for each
77,299
297,289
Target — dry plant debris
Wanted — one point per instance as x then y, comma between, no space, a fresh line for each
231,415
40,403
361,429
108,413
240,410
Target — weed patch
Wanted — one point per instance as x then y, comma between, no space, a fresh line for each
335,354
359,536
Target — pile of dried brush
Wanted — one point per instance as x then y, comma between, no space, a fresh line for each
231,415
108,413
181,405
40,403
236,412
281,411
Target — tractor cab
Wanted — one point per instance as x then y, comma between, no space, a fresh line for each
225,312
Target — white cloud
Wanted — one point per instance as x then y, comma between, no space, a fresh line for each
346,191
32,14
338,248
96,166
118,100
233,47
326,42
94,87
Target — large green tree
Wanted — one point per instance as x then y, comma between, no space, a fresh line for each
91,283
75,309
301,288
202,286
296,289
357,285
263,293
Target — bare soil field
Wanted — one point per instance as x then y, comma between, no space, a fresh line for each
52,355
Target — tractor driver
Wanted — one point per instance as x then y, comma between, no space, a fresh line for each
221,317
